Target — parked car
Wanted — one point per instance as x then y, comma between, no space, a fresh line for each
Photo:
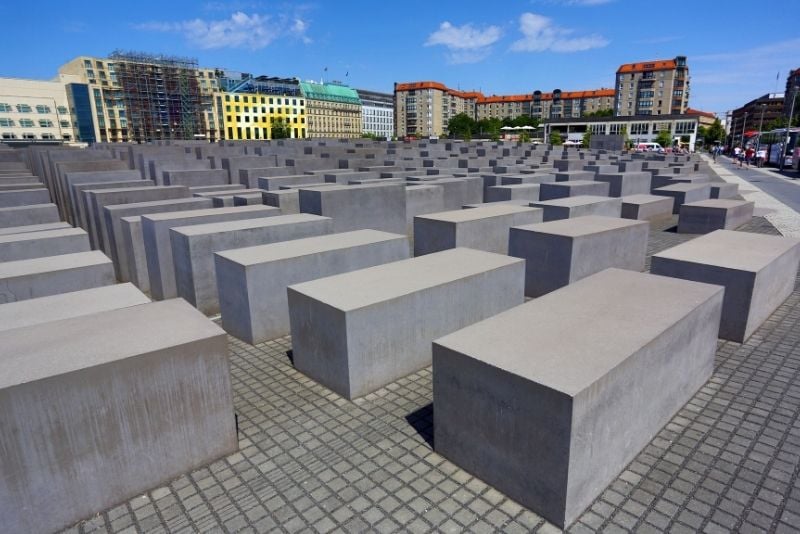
649,147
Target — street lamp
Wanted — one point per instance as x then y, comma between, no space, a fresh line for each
760,124
744,125
788,124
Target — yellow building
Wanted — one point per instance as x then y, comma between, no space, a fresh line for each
334,110
260,116
143,97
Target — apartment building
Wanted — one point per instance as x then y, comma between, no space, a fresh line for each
502,106
35,110
659,87
792,92
332,110
757,114
145,97
261,107
377,113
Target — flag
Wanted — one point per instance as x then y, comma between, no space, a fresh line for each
346,74
777,76
326,69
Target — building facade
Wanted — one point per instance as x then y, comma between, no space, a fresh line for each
34,110
637,129
143,97
332,110
756,115
792,92
659,87
261,107
377,113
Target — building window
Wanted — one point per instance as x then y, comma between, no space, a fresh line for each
28,136
26,123
23,108
48,136
7,135
62,110
44,123
7,122
5,108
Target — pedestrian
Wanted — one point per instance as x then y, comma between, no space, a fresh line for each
761,157
748,155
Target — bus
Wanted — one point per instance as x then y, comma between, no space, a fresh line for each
774,141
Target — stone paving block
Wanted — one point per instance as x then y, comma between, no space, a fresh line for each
158,249
51,275
579,206
626,183
573,188
550,414
757,271
67,305
193,249
359,331
684,193
31,245
646,207
26,215
144,396
483,228
252,281
705,216
558,253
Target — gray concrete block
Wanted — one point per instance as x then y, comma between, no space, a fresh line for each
706,216
193,249
34,228
517,179
358,331
67,305
41,277
724,190
288,200
158,249
549,401
683,193
460,191
357,207
626,183
93,177
31,245
574,175
646,207
252,281
499,193
248,199
664,180
421,200
143,397
81,200
23,197
758,272
484,228
196,177
552,191
26,215
579,206
558,253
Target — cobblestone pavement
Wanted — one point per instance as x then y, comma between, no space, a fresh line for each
311,461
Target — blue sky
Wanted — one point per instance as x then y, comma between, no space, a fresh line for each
734,51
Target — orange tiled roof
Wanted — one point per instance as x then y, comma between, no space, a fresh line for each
412,86
497,99
658,64
690,111
593,93
481,99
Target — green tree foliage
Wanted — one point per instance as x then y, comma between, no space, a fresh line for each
524,137
664,138
713,133
600,113
280,129
587,139
555,139
462,125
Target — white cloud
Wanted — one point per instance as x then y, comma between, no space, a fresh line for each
241,30
541,34
465,44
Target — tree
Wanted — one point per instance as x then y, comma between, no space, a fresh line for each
626,140
714,133
462,126
664,138
524,137
280,129
587,139
490,128
555,139
600,113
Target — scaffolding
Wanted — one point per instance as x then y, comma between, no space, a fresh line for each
162,96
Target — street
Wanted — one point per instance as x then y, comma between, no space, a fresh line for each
783,186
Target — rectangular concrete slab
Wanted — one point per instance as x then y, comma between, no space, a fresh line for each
30,245
558,253
193,249
626,183
684,193
158,249
41,277
549,401
552,191
66,305
758,272
252,281
483,228
579,206
499,193
114,403
357,207
646,207
34,228
705,216
359,331
26,215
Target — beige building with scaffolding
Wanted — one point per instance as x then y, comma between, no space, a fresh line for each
142,97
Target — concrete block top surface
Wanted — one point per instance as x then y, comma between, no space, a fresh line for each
683,187
10,269
743,251
484,211
365,287
615,318
305,246
66,305
577,200
582,226
41,351
245,224
718,203
209,211
43,234
642,199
